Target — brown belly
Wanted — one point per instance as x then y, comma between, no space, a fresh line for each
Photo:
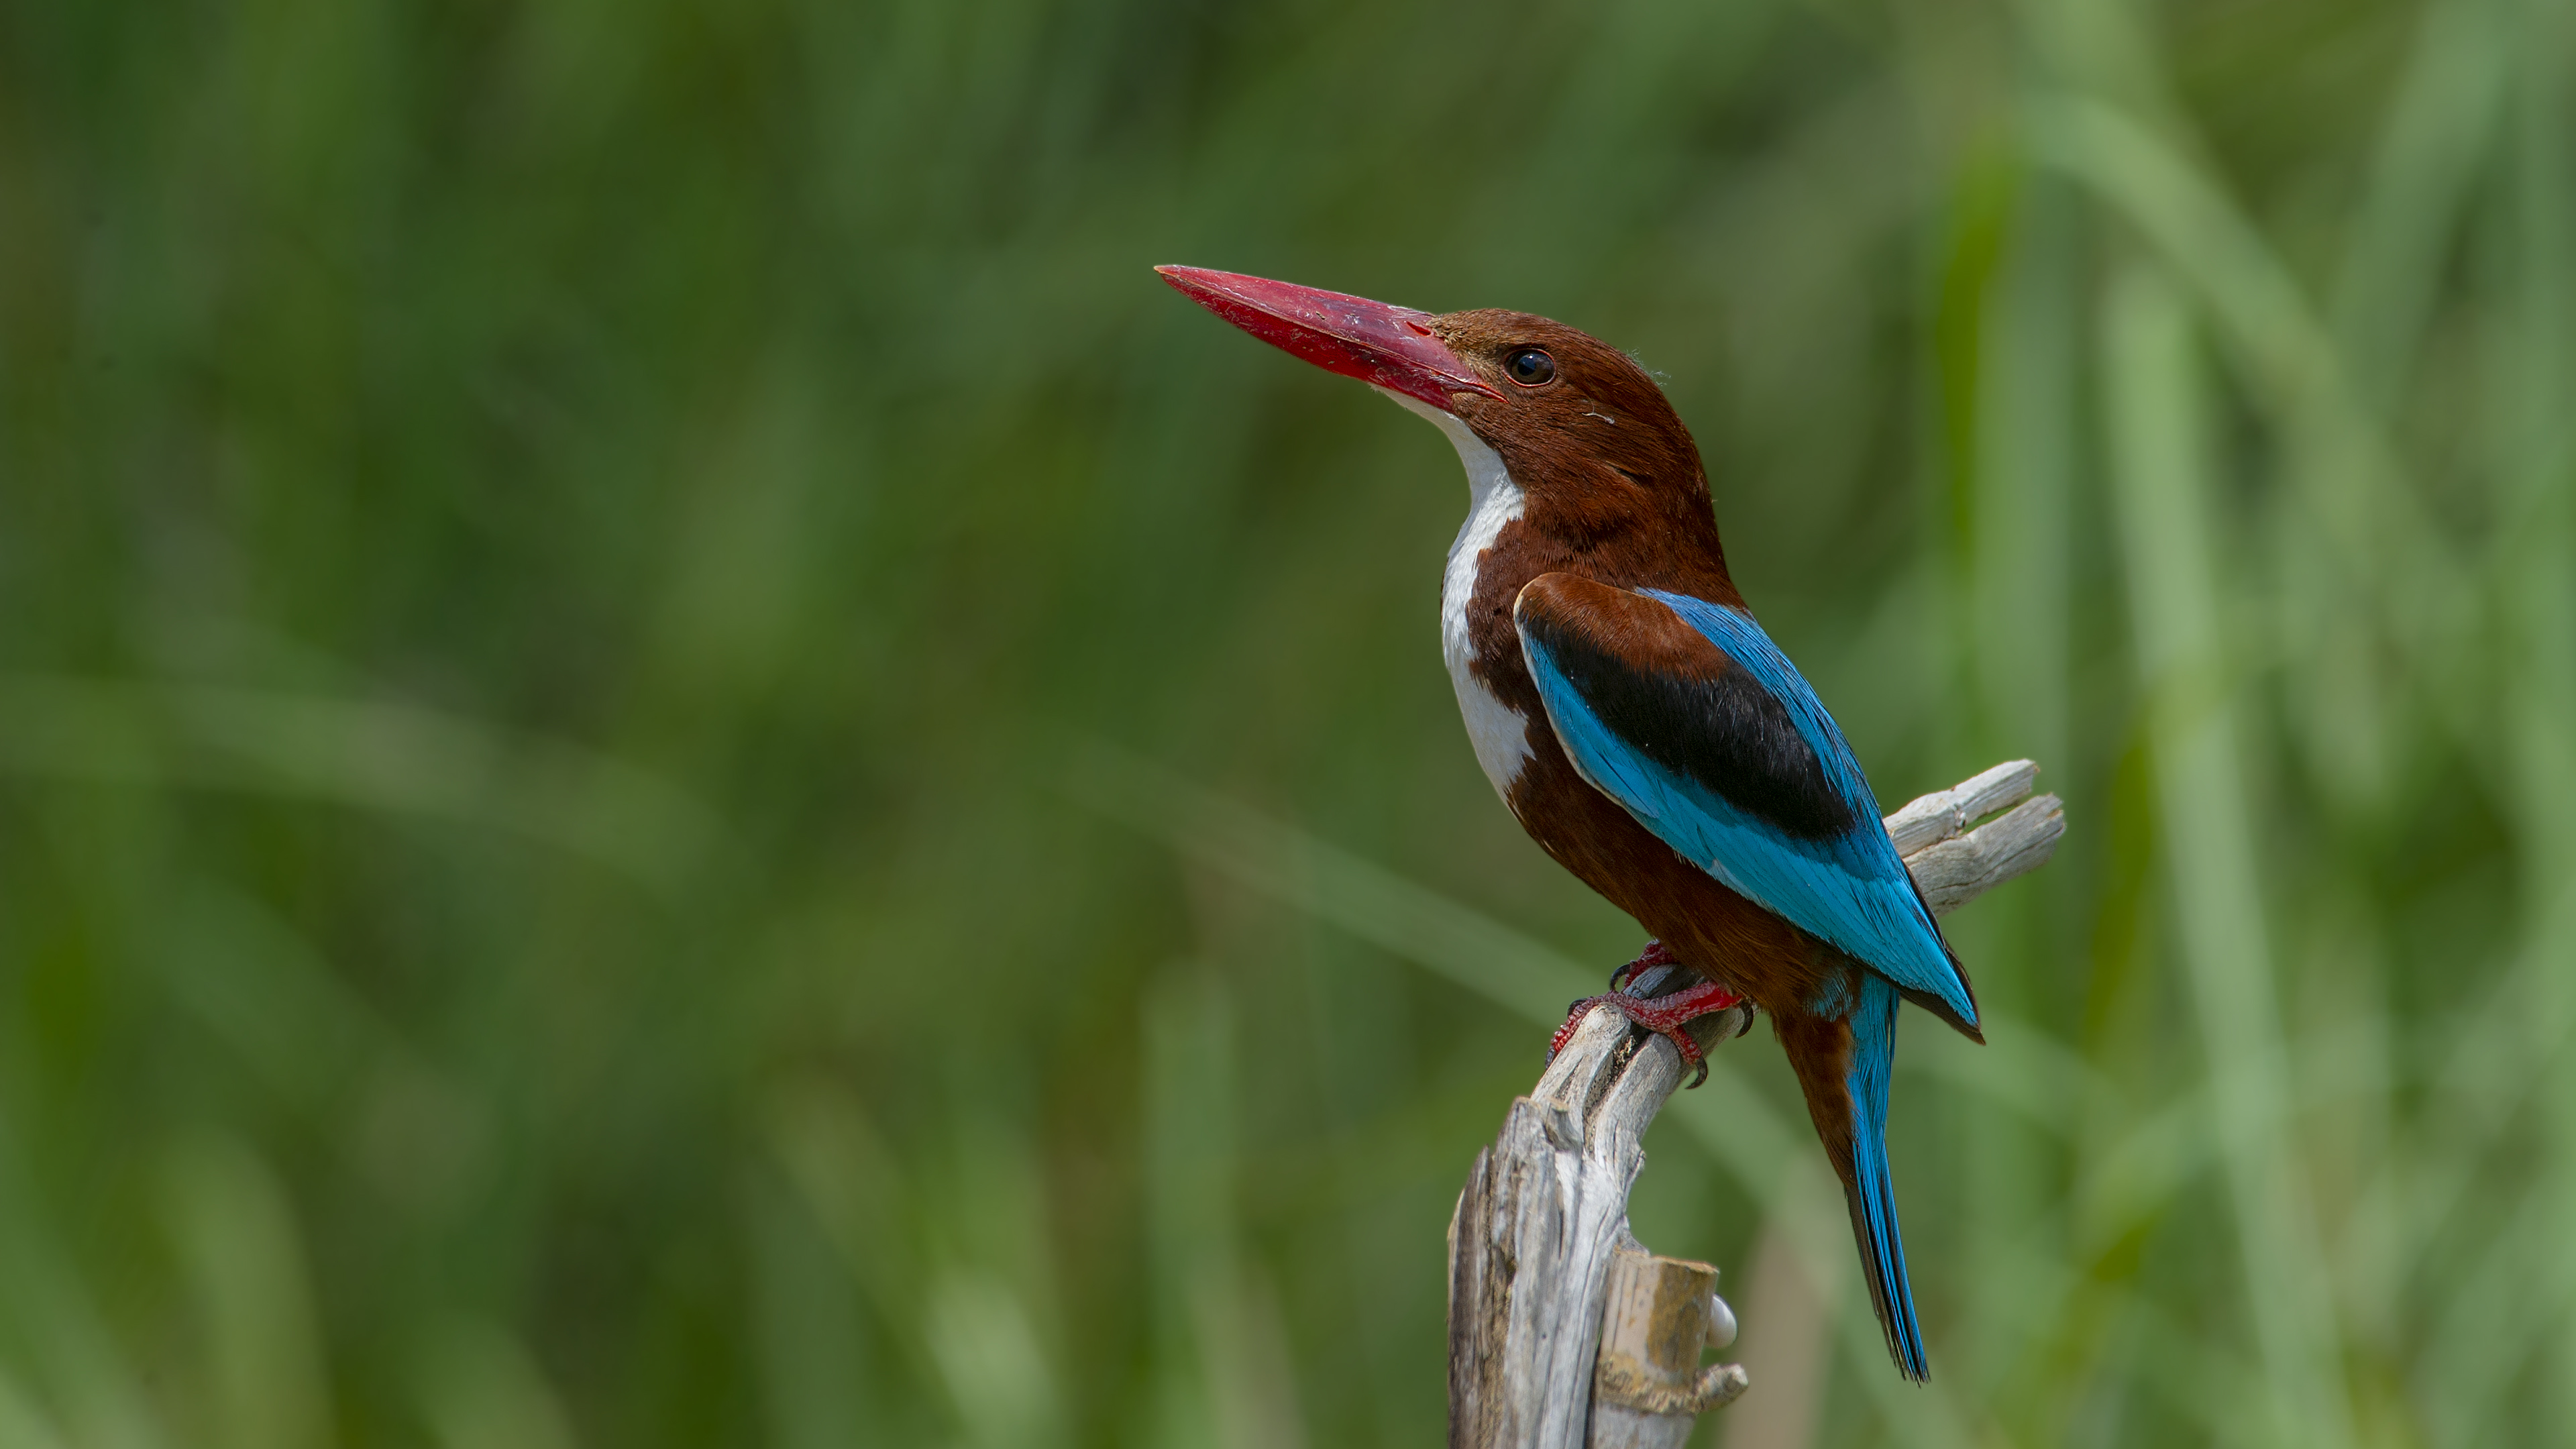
1710,928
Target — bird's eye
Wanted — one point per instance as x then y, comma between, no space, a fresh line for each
1530,367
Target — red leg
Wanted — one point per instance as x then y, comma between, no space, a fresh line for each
1655,954
1663,1015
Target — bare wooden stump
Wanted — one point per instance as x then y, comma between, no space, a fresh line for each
1565,1332
1647,1383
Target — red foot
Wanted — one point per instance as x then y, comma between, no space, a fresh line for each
1663,1015
1655,954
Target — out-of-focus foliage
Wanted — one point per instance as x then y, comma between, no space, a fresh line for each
680,765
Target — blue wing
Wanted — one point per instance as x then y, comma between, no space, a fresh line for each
1689,716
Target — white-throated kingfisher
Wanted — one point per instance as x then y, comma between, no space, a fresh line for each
1638,722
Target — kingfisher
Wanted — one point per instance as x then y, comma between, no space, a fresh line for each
1640,725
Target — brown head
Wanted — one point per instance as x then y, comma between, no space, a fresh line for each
1585,434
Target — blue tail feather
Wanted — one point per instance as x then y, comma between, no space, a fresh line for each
1872,1192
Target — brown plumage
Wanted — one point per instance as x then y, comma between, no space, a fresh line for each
1587,491
1617,496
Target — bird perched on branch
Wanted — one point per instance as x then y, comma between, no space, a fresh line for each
1639,723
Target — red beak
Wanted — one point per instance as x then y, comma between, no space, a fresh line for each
1390,347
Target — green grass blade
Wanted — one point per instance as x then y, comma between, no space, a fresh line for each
2159,441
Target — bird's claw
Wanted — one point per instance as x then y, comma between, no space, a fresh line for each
1655,954
1665,1016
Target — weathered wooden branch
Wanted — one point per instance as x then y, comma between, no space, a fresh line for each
1565,1332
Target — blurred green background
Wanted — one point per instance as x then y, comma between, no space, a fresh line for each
680,765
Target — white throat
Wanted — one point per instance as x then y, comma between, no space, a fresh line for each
1499,732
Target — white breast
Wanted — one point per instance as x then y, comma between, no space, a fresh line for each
1499,732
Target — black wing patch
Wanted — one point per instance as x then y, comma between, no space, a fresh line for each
1714,724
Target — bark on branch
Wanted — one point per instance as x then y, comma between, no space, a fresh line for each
1565,1332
